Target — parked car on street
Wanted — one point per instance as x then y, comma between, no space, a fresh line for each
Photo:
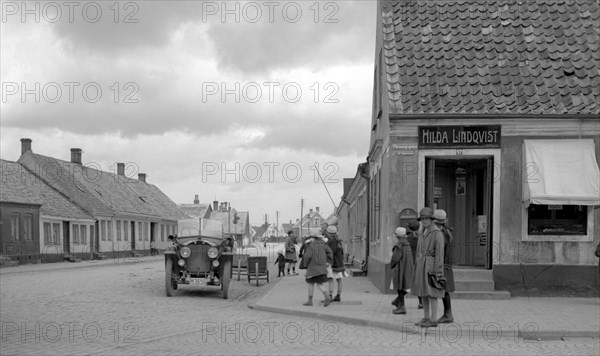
198,261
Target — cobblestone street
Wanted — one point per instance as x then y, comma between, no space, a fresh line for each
122,309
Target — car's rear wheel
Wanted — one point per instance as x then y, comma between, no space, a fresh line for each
169,278
225,279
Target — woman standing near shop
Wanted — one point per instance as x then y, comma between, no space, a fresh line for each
429,260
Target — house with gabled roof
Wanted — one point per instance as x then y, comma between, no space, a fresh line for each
38,222
234,223
309,224
196,223
128,213
480,108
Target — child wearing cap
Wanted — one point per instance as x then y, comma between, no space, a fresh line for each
402,266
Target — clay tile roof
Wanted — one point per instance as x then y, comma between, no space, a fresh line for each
547,50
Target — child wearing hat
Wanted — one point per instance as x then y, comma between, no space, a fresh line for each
317,257
280,261
402,266
337,267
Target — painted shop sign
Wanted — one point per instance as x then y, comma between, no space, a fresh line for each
459,136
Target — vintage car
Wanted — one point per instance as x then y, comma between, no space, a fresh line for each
198,261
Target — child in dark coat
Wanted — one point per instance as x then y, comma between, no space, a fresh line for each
281,264
402,267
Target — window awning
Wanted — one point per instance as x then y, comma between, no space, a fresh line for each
561,172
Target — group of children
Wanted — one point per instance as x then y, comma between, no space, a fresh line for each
322,255
432,262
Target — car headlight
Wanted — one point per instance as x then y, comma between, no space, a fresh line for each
185,252
215,263
181,262
213,252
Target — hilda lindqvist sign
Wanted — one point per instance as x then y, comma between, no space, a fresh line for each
459,136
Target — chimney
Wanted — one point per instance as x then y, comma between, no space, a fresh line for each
215,205
317,209
76,155
196,200
121,169
309,211
142,177
25,145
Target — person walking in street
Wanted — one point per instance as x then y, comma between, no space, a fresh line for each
280,262
413,237
429,265
337,267
290,253
439,219
402,267
317,257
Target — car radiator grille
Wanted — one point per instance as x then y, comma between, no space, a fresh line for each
198,262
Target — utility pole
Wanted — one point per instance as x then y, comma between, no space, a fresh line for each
301,216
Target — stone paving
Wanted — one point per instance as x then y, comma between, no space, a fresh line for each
121,309
363,304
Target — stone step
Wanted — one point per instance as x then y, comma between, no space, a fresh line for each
9,263
472,274
474,285
497,295
355,272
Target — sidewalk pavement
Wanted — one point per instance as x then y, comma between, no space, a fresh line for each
363,304
72,265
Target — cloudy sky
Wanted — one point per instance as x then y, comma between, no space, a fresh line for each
233,101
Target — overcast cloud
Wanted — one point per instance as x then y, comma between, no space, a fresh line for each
178,88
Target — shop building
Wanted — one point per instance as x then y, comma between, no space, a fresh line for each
490,111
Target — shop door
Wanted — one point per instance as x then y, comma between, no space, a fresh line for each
463,189
133,236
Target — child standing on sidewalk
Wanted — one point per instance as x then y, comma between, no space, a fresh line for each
280,261
402,266
317,257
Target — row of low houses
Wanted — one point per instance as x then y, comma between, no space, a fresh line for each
52,209
491,113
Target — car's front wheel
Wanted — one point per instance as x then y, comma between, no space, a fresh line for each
169,278
225,279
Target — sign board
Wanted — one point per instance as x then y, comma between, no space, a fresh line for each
437,192
487,136
481,224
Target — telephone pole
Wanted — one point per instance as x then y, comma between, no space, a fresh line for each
301,216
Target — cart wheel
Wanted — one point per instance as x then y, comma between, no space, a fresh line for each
169,278
226,277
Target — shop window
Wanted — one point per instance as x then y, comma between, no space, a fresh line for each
47,234
557,220
28,227
92,233
162,232
15,227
